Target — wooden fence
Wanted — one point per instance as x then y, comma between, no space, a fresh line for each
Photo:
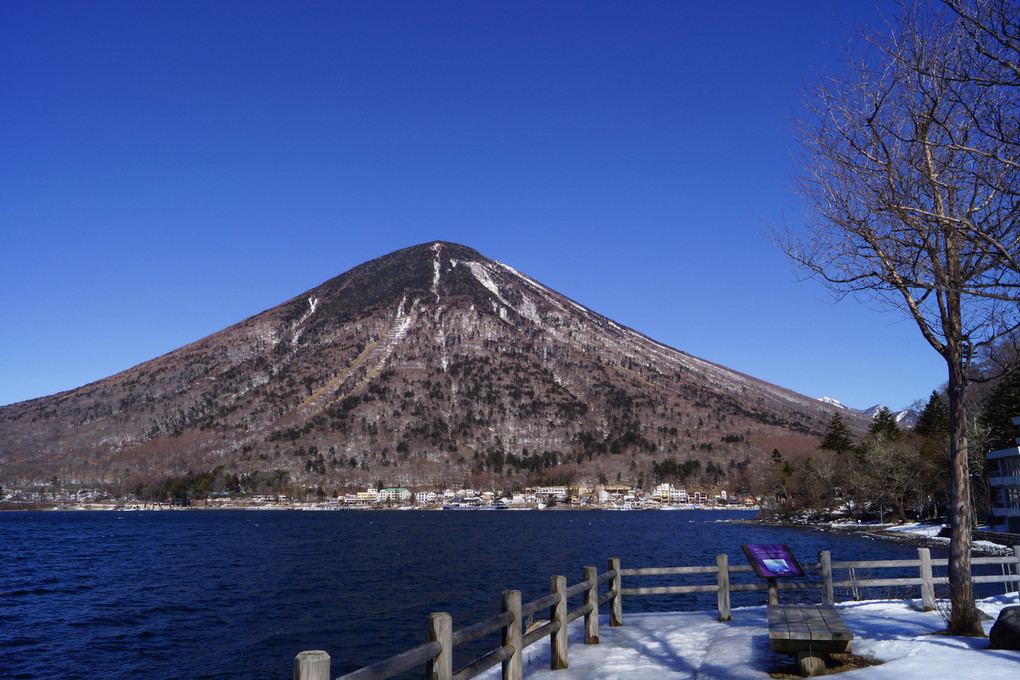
437,653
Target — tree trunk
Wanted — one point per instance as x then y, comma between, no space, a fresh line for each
963,618
901,514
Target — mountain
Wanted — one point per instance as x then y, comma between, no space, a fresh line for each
422,367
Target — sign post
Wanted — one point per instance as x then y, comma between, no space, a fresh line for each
772,562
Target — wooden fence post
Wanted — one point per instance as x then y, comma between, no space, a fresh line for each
722,580
441,631
773,585
311,665
513,668
927,583
591,596
558,612
616,604
825,575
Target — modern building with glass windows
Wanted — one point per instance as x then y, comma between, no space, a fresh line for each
1004,479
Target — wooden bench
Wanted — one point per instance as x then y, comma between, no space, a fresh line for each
809,631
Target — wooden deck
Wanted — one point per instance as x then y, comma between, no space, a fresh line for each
810,632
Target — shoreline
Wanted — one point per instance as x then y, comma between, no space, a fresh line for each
918,534
329,507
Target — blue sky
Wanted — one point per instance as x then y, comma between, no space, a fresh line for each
168,169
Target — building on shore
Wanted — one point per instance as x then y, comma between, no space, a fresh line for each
551,492
1004,480
426,497
394,495
666,493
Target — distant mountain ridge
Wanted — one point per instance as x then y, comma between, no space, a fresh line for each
431,365
905,418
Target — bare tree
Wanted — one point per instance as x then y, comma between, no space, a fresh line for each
909,202
894,470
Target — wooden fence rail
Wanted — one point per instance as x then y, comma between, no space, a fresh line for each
437,654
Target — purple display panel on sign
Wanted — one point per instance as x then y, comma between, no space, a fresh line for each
772,561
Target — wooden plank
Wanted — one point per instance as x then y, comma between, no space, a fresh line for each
479,666
542,631
796,623
549,600
667,571
577,589
880,564
670,590
837,626
877,582
993,560
395,665
816,627
777,622
481,629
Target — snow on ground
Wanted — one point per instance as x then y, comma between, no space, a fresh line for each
929,532
695,646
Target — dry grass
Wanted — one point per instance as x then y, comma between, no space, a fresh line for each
835,663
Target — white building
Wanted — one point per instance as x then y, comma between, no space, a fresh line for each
425,497
1004,479
551,491
667,494
395,495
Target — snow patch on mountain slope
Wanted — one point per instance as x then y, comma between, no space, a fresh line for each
313,304
267,335
549,294
480,273
436,248
399,330
528,309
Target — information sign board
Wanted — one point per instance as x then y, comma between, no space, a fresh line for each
772,561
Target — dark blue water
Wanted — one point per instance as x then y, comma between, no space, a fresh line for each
238,594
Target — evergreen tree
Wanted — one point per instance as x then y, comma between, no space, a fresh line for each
999,409
838,437
934,418
883,425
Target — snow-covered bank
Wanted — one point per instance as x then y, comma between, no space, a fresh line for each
930,534
695,646
913,533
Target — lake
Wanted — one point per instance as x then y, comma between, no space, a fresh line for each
237,594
